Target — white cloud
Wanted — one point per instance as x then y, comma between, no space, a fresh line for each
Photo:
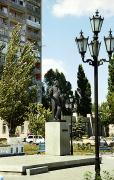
48,63
82,7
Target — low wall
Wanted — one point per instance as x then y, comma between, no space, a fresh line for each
13,149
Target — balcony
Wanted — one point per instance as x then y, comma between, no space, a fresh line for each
4,25
3,33
3,1
3,14
33,24
37,71
37,3
35,12
17,6
33,36
16,18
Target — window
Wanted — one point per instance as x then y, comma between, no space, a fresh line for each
16,149
21,3
22,128
4,128
40,137
22,149
29,17
38,76
37,65
30,137
5,10
1,21
35,136
11,150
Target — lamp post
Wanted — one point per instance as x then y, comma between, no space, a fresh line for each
94,47
69,105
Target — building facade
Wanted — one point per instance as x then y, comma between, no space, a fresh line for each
28,14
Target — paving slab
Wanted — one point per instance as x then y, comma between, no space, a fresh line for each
19,164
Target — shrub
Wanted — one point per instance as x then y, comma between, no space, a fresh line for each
105,176
3,141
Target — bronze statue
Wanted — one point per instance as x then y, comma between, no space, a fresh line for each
56,101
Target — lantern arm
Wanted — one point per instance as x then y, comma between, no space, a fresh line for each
101,61
90,61
105,60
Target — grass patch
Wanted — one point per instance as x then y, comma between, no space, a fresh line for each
83,149
30,149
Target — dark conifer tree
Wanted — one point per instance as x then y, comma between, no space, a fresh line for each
83,93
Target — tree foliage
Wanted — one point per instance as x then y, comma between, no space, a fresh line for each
65,86
15,93
111,75
111,107
37,116
81,126
83,93
110,96
104,113
52,75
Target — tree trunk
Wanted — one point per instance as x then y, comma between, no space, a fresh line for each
12,129
107,130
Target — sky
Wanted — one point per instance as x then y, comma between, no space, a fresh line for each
62,21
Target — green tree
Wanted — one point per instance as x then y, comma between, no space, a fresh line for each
81,126
104,116
37,116
110,96
51,76
16,91
111,107
104,113
83,93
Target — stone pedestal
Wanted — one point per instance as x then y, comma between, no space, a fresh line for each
57,138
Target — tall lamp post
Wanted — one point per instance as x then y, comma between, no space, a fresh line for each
69,105
94,47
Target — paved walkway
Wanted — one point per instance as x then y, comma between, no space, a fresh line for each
21,163
76,173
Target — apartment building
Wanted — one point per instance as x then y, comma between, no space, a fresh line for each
27,13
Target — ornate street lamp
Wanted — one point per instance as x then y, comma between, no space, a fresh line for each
94,47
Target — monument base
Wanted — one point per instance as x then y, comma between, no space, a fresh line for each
57,138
